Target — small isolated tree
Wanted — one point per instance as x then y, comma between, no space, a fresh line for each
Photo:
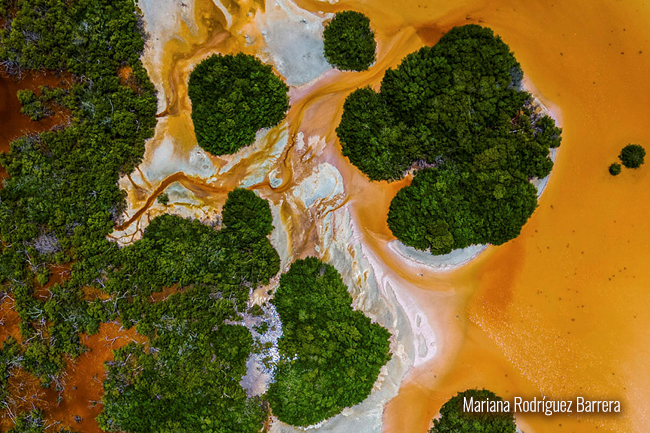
349,41
163,199
454,419
615,169
632,156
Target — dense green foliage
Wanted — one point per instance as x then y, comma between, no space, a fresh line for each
437,212
65,35
632,156
331,354
185,252
349,41
247,213
453,419
62,197
454,108
187,379
615,169
232,98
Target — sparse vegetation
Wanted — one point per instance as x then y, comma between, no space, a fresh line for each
33,422
163,199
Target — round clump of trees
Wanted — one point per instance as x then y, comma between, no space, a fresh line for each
349,41
454,419
632,156
233,97
456,112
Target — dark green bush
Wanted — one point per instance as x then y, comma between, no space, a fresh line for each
632,156
349,41
245,211
163,199
615,169
232,98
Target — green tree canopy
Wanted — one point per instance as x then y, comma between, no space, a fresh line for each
232,98
435,212
186,252
331,354
349,41
632,156
615,169
187,378
246,211
456,109
163,199
453,418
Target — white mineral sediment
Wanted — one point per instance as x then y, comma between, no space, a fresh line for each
260,366
293,41
162,19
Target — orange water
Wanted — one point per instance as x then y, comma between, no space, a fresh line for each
13,124
561,310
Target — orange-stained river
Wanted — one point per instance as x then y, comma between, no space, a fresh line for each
562,311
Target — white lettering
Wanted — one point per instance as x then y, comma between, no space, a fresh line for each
468,406
518,404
